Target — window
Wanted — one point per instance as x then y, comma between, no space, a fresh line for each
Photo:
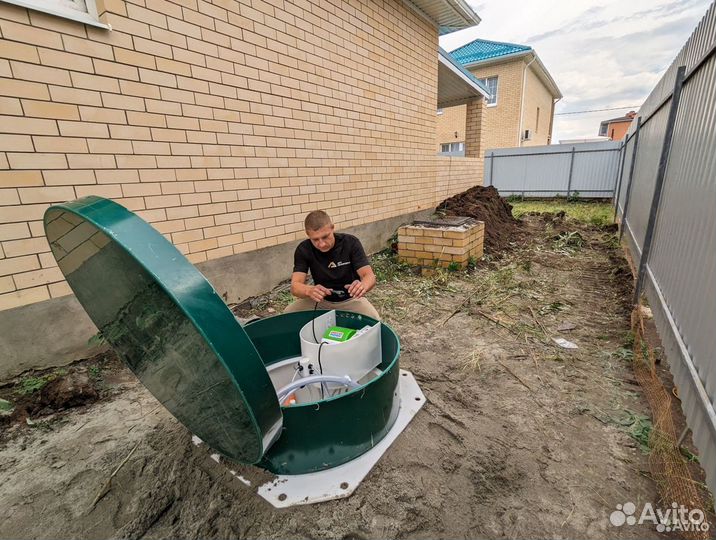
537,122
603,129
491,85
452,149
84,11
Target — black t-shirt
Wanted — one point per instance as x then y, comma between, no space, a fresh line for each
334,269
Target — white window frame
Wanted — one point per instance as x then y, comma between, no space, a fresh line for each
497,85
90,18
455,149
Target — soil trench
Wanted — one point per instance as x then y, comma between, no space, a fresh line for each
519,437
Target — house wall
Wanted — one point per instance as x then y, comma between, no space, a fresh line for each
221,124
536,95
503,119
451,121
616,131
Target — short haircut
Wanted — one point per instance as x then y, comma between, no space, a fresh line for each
316,220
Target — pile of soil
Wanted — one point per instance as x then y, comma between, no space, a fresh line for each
485,204
42,393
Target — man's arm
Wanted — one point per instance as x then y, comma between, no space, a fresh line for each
358,289
360,262
300,289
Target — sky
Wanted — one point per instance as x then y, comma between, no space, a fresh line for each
601,54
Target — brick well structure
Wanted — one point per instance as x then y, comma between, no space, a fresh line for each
441,243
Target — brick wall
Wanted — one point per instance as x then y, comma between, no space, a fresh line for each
441,246
221,123
537,95
456,174
451,121
503,119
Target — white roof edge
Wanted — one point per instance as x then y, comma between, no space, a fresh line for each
543,73
448,64
547,78
464,16
468,12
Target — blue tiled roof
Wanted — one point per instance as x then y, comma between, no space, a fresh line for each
482,49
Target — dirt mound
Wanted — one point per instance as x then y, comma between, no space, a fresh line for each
484,204
65,392
41,393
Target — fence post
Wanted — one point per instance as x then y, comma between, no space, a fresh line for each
492,168
631,175
571,168
659,185
620,173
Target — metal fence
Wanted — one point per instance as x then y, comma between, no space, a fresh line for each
571,170
666,199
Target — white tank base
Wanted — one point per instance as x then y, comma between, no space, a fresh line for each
338,482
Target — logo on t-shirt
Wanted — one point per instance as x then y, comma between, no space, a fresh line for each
336,265
331,264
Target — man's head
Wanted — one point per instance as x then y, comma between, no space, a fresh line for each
319,229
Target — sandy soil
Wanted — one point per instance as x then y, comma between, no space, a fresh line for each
519,437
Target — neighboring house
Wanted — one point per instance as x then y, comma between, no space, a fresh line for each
520,109
221,123
616,128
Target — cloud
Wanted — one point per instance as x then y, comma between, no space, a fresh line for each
580,23
601,55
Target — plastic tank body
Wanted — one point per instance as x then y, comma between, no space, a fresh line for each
332,431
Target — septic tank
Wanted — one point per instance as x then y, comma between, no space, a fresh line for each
238,388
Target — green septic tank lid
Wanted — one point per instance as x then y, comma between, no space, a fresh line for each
168,324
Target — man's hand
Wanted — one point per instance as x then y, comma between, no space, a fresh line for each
356,289
318,293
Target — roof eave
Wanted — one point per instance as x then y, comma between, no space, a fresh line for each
445,59
543,74
547,78
497,59
458,16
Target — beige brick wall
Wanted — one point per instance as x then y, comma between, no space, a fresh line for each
537,95
456,174
503,119
425,246
451,121
221,123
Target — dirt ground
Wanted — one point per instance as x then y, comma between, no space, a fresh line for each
519,437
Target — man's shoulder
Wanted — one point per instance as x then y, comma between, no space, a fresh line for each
304,246
347,238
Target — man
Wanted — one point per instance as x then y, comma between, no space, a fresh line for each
340,269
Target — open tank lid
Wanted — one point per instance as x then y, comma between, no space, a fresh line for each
168,324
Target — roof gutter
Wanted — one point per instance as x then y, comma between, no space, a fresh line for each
548,79
551,118
522,99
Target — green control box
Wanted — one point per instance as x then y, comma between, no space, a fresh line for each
338,334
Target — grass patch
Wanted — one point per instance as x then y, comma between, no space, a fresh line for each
592,213
387,268
31,384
